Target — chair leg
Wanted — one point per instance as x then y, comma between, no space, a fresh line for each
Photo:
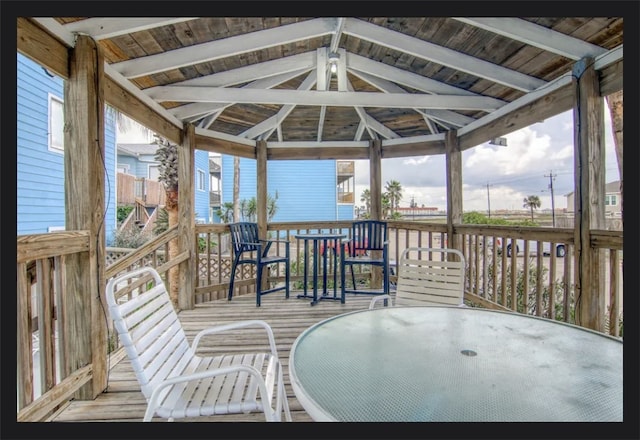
342,286
232,279
353,278
287,275
258,283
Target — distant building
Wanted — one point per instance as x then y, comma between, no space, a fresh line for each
307,190
139,160
416,212
612,200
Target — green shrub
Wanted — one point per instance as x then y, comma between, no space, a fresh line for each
123,212
129,238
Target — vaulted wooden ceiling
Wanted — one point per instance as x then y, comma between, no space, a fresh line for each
398,79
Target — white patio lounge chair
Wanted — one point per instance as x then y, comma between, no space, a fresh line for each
428,276
177,382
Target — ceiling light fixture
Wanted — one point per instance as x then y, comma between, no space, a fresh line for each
333,62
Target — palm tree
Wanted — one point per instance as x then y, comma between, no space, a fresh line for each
365,198
531,202
386,206
167,157
394,192
225,212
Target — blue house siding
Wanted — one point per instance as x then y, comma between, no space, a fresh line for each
201,202
306,188
110,220
40,171
345,212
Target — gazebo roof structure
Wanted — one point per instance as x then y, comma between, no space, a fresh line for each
344,81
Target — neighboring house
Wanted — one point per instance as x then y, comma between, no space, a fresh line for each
612,200
215,187
307,190
139,161
40,153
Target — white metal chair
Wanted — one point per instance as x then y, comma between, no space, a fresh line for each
428,276
177,382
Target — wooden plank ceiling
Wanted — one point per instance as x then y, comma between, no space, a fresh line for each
396,77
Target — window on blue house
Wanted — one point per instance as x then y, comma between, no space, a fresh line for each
200,181
56,124
346,181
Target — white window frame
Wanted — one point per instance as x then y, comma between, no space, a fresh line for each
55,228
57,148
200,180
611,200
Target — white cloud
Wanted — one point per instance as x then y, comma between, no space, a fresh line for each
513,172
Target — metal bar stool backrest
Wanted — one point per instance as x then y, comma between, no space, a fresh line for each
368,235
243,233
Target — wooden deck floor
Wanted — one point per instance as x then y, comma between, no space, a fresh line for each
123,401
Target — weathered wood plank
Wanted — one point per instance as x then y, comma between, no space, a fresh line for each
38,246
186,239
54,397
318,153
40,46
453,161
548,106
589,195
221,146
84,201
24,340
125,102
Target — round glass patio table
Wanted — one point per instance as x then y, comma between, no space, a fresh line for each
455,364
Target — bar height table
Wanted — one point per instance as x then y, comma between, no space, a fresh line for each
325,239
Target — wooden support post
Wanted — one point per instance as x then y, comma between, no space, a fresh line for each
454,187
589,160
187,270
261,189
375,178
261,195
83,311
375,183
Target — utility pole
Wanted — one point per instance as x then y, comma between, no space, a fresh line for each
551,177
488,201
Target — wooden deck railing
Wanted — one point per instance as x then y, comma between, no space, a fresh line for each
41,296
526,282
495,278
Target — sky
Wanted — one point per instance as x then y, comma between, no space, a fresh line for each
512,173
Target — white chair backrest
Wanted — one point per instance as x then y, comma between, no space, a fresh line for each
430,276
149,329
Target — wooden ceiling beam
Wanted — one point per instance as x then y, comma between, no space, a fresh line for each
535,35
275,120
357,63
329,98
216,142
39,45
226,47
441,55
389,87
199,109
318,153
108,27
